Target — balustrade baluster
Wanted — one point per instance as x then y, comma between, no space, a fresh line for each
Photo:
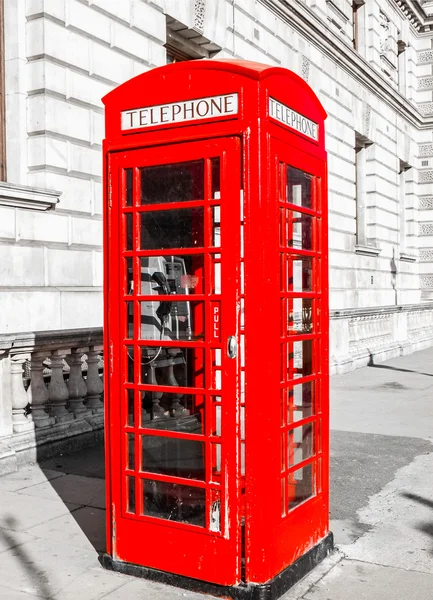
20,420
57,389
95,387
37,392
76,384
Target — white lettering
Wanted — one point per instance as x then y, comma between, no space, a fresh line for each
179,112
282,113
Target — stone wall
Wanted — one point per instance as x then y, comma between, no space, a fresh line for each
63,55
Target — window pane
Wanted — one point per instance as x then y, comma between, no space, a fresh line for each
172,183
299,187
299,274
171,456
172,274
169,320
180,412
301,486
300,359
182,367
299,229
174,502
128,187
182,228
301,401
300,444
300,316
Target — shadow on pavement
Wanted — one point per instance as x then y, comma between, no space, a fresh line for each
37,576
371,363
83,484
426,527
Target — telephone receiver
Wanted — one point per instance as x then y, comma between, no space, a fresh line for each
164,308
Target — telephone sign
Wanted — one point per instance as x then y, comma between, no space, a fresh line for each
216,328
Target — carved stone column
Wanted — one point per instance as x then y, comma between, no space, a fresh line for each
20,420
95,387
37,393
76,384
57,389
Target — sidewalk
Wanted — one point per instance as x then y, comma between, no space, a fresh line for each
52,515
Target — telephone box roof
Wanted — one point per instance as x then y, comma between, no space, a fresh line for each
245,68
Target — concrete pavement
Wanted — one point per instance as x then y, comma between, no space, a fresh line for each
52,514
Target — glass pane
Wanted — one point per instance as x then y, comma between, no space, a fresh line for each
129,283
216,226
129,320
300,316
299,274
130,484
174,502
216,274
129,231
168,320
172,183
300,401
299,187
171,456
172,274
182,228
130,363
301,486
172,366
300,444
180,412
300,359
216,189
128,186
131,452
130,408
299,231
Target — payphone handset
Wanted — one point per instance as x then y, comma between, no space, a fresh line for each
168,320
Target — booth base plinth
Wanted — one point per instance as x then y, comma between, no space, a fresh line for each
271,590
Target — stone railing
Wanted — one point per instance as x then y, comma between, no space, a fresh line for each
51,394
364,335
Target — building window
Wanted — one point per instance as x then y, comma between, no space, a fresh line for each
2,97
362,149
404,208
401,65
358,20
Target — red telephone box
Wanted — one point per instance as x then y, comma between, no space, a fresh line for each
216,328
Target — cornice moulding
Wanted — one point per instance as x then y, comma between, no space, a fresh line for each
20,196
316,32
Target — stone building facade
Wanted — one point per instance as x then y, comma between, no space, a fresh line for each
369,61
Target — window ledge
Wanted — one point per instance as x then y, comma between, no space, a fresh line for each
368,250
22,196
408,257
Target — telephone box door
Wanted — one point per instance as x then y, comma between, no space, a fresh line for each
173,414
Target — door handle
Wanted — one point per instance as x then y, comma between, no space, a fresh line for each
232,347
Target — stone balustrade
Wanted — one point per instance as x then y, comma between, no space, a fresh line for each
51,394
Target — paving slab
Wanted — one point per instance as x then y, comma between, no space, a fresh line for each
139,589
357,580
74,489
20,512
9,539
43,569
83,528
8,594
27,476
94,584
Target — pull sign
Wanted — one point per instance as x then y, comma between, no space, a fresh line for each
232,347
216,321
282,113
179,112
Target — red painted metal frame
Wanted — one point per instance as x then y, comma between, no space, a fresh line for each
272,540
